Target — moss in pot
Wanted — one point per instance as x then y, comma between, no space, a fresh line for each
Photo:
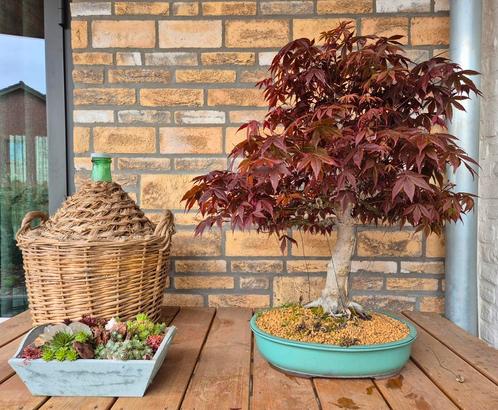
354,134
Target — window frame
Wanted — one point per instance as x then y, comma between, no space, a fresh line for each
58,99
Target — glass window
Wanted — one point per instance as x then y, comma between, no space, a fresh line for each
23,138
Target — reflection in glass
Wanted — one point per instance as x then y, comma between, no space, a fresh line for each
23,139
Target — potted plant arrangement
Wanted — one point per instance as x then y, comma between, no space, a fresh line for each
349,138
73,358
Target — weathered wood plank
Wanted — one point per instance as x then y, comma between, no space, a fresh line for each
14,327
445,368
274,390
6,352
15,395
412,389
349,394
221,379
80,403
168,388
471,349
99,403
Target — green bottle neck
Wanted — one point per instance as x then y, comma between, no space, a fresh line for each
101,169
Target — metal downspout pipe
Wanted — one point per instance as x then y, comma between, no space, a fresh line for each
461,238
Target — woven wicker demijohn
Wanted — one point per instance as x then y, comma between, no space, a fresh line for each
98,254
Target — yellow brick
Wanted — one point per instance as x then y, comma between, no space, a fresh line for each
246,115
88,76
81,139
422,267
386,27
374,266
253,76
157,164
254,282
366,282
411,284
432,304
256,33
218,8
228,57
252,301
244,97
79,36
151,97
435,246
144,8
391,302
306,265
139,75
104,96
126,140
313,245
257,266
312,28
389,243
343,6
292,289
189,33
190,8
430,30
205,76
182,299
187,218
232,138
204,282
92,58
82,164
287,7
251,243
200,164
186,244
210,266
123,33
196,140
164,191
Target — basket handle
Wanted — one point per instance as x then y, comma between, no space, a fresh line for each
166,226
30,217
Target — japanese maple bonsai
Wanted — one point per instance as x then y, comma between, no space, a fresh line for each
348,137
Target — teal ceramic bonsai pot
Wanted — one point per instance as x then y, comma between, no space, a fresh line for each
321,360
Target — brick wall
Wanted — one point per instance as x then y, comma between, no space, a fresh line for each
163,86
488,190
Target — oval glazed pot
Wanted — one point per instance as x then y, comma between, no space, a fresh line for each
321,360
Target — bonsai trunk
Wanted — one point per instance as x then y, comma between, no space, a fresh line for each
334,298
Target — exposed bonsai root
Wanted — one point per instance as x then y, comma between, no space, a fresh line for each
334,307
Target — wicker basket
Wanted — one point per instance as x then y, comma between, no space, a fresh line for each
98,255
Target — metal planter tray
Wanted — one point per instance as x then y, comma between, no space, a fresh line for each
321,360
88,377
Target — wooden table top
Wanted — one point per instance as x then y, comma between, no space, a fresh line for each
213,364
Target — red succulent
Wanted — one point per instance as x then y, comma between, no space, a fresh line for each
154,341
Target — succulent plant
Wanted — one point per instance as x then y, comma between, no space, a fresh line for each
154,341
31,352
60,347
131,349
142,327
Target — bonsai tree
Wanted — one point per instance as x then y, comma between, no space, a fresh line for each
348,137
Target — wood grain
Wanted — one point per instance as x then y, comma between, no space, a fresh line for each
222,375
14,327
349,394
471,349
444,368
412,389
169,386
271,388
15,395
